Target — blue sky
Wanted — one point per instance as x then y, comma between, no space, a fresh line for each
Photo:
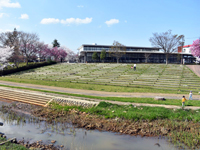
77,22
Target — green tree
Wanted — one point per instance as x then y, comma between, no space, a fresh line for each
55,43
117,50
103,55
94,56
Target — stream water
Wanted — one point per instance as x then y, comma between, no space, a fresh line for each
75,138
78,139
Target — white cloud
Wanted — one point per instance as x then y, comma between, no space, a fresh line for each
49,21
125,21
80,6
67,21
111,22
2,14
76,21
7,3
24,16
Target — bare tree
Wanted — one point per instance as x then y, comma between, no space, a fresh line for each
28,45
147,55
167,42
117,50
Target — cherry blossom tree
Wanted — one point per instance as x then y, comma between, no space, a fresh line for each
29,51
11,39
71,56
40,49
63,54
5,54
27,45
57,53
195,50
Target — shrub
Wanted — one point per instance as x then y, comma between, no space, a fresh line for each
23,68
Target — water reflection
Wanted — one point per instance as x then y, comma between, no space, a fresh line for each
73,138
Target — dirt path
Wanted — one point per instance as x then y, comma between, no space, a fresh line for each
195,69
98,93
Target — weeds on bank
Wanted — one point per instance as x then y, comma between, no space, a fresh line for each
131,112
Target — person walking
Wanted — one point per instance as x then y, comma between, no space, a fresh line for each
134,67
183,102
190,95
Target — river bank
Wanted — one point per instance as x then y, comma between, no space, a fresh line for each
179,131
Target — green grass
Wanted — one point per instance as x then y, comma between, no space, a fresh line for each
151,101
121,99
94,87
152,78
10,146
129,112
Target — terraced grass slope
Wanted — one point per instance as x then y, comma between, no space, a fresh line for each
156,76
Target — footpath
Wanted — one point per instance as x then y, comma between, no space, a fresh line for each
108,94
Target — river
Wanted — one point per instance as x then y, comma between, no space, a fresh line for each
79,139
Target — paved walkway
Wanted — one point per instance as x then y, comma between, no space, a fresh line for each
195,69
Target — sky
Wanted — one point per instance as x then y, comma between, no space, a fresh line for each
77,22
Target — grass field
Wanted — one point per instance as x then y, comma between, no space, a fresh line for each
113,77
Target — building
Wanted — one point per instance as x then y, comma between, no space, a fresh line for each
184,49
186,52
133,55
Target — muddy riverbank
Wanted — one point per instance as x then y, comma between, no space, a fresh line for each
156,128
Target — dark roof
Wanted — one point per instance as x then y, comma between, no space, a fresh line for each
138,47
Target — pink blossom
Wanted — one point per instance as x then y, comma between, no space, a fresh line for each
195,48
56,52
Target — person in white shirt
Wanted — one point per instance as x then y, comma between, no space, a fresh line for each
134,67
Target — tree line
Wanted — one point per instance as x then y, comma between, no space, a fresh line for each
20,46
